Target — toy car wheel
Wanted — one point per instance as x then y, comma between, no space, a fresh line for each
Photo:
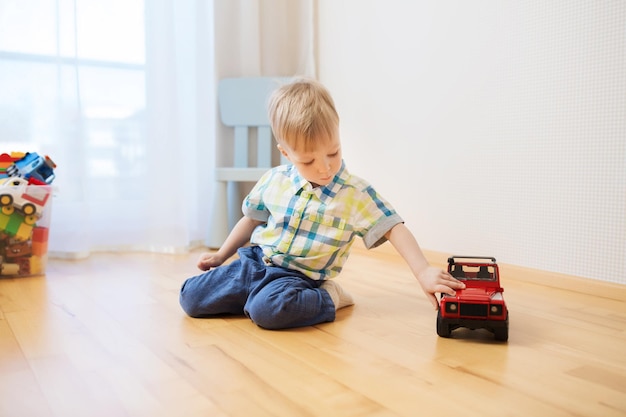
7,210
29,209
443,329
6,200
30,219
502,333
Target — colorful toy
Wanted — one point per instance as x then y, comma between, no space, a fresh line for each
17,249
39,241
9,269
24,253
24,194
7,160
16,192
16,225
480,305
34,168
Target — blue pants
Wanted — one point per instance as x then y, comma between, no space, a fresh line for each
273,297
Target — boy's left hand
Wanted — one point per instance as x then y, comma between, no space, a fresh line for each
209,260
434,280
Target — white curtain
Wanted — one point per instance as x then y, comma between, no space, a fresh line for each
121,95
116,94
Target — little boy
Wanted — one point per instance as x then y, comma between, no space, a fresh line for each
301,220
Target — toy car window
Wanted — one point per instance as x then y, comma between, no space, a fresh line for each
482,272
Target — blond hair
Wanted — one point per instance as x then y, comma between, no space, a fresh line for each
302,113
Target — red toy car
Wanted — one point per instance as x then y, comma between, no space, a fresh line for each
480,305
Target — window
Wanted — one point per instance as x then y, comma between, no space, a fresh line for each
72,76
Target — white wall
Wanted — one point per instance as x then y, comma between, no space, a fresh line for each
494,127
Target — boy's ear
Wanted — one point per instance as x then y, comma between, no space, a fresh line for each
283,152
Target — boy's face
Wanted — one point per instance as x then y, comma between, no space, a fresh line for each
318,166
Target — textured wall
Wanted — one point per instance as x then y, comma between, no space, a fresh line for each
495,127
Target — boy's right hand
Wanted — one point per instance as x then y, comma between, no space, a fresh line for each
209,260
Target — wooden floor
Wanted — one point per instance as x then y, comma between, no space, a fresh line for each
106,337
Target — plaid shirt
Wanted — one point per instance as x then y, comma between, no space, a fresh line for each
312,229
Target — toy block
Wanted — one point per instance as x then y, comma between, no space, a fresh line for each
37,265
15,226
16,249
25,265
11,223
24,232
39,249
4,221
9,269
39,241
6,161
40,234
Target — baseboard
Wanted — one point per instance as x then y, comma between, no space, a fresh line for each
550,279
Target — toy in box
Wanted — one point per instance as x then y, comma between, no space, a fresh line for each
25,205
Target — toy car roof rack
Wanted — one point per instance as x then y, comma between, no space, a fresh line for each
451,259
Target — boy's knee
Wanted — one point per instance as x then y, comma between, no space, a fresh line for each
264,317
287,310
188,302
268,314
187,305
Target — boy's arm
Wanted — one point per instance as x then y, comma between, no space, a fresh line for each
433,280
238,237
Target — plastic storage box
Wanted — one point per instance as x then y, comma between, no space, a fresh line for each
25,211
